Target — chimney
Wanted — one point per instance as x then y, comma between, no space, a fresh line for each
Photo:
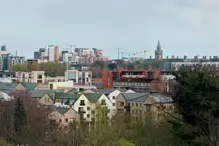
210,58
173,56
150,57
167,57
185,57
177,57
70,106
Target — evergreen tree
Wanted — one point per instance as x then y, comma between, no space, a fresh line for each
196,93
20,119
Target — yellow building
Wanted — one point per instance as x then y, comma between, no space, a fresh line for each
141,105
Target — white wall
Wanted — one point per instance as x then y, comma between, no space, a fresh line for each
87,104
109,105
51,53
112,97
57,85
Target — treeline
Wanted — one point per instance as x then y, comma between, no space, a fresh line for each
51,69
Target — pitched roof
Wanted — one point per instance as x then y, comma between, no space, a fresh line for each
158,98
134,96
40,93
62,110
104,91
30,86
66,95
93,97
8,86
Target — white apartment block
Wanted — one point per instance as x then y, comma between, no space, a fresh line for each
79,77
30,77
51,53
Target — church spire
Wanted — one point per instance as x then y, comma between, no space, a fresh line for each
158,45
158,52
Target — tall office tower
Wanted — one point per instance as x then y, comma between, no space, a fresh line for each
57,54
51,53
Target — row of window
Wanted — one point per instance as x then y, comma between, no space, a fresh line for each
131,84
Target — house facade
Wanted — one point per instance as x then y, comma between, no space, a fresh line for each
141,105
64,116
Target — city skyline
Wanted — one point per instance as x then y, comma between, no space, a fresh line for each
183,27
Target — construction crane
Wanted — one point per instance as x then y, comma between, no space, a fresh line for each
145,51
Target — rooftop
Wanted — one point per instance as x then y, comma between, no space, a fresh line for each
30,86
93,97
8,86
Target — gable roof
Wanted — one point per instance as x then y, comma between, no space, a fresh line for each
40,93
30,86
161,99
104,91
93,97
61,110
8,86
132,96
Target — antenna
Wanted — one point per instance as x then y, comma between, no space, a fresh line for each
118,53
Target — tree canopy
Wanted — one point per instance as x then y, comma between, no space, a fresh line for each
196,93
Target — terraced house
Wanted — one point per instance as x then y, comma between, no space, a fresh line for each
86,106
144,104
64,116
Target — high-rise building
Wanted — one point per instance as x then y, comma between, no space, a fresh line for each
51,53
3,48
159,52
37,55
9,61
57,54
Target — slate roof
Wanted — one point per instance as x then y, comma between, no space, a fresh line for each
104,91
132,96
8,86
93,97
66,95
158,98
30,86
61,110
40,93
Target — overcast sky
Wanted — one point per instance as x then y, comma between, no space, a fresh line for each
184,27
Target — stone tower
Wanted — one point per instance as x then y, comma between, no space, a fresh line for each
159,52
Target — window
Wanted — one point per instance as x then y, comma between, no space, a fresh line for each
66,120
40,76
148,107
132,104
136,104
114,97
60,120
113,104
88,108
103,102
82,102
88,115
121,103
92,112
140,104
